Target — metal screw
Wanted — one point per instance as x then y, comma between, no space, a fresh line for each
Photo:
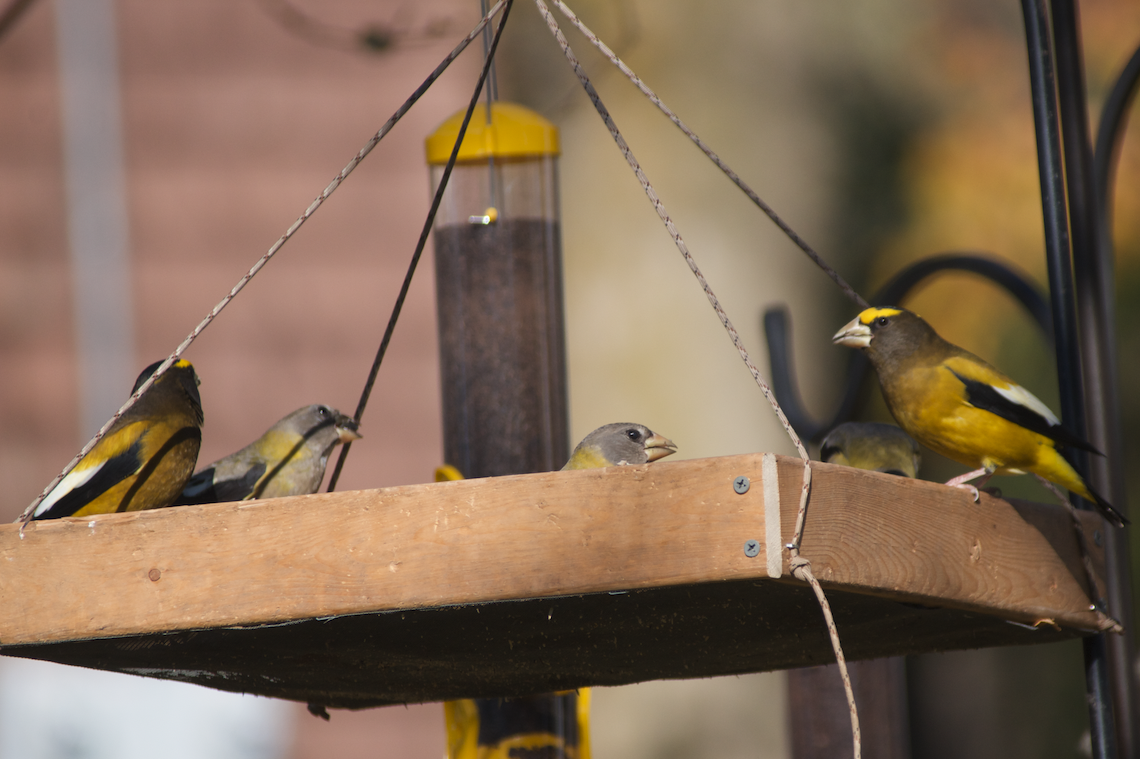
1097,538
740,484
751,547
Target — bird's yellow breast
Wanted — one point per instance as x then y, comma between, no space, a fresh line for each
930,404
588,457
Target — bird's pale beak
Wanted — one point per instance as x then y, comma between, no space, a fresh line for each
855,334
347,429
658,447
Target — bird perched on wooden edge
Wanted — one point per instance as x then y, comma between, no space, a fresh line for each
619,444
958,405
289,459
551,724
146,456
873,446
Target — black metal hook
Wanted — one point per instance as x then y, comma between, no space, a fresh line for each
1110,132
777,331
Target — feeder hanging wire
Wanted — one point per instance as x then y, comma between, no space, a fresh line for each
428,222
767,209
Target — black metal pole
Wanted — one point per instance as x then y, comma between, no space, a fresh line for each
1093,274
1051,168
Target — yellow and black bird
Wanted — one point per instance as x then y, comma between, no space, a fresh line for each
957,405
289,459
874,446
146,456
619,444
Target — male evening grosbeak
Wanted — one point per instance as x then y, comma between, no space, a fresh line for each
961,407
289,459
146,456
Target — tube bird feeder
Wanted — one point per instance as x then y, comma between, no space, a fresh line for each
498,263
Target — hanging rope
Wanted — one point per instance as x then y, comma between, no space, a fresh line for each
801,568
333,185
768,210
490,57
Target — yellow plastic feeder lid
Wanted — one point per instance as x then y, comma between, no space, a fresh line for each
514,132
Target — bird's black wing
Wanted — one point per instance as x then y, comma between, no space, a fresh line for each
203,488
986,397
113,471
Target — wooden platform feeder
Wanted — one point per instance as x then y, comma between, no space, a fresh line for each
523,584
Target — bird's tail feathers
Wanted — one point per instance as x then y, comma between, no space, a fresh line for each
1107,510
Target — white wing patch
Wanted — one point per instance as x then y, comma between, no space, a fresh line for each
199,483
1022,397
75,479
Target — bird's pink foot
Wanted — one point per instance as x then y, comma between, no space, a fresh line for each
961,481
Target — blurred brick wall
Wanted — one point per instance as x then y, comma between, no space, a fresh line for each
232,125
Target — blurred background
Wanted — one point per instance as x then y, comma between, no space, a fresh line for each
151,152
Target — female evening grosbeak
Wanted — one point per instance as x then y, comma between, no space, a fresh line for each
551,724
289,459
619,444
873,446
144,459
957,405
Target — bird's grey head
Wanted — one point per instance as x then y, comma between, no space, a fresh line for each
321,426
629,443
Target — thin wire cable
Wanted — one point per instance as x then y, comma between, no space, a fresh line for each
767,209
375,139
801,568
11,14
659,207
391,328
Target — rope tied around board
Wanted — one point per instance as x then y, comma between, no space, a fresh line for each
801,567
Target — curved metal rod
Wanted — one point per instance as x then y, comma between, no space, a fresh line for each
777,331
1110,132
1095,270
1015,283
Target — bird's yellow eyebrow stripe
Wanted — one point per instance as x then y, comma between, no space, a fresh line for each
871,314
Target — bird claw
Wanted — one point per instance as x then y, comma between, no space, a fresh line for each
973,491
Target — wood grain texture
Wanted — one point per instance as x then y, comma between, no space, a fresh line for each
524,537
675,527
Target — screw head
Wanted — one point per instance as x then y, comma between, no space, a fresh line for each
751,548
741,484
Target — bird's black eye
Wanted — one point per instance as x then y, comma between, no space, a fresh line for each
633,434
322,411
882,321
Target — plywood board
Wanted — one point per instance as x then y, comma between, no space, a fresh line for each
521,584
